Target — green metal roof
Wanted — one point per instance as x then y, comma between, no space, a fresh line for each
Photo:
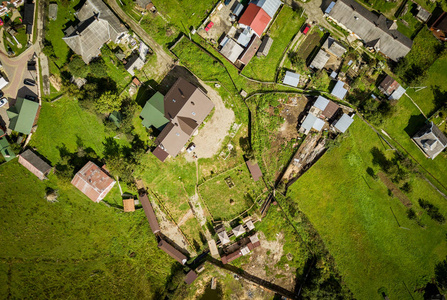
153,112
22,115
5,149
116,118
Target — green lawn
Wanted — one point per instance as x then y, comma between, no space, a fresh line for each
352,213
74,246
282,31
20,36
217,194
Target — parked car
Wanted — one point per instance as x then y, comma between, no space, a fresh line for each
191,148
209,26
29,97
3,101
1,22
29,82
306,29
1,94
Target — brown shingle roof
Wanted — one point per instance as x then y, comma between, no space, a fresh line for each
330,110
129,205
160,153
254,169
93,182
190,277
388,85
34,164
251,50
174,253
150,214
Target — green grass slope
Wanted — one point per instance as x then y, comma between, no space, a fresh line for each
354,215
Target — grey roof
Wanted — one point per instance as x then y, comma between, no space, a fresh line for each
36,161
376,31
312,121
238,9
339,91
423,14
343,123
92,7
245,37
52,11
291,78
269,6
223,237
431,140
231,50
266,44
320,60
321,103
88,38
397,93
238,230
135,62
143,3
334,47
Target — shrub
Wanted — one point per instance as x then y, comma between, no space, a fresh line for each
432,211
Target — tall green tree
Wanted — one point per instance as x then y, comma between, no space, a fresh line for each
108,102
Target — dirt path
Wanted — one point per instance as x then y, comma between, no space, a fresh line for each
395,190
185,218
166,61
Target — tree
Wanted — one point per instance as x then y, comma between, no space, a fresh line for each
108,102
441,274
98,68
77,67
48,49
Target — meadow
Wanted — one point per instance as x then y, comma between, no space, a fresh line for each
367,231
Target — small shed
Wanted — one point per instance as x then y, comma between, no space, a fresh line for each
129,205
172,252
321,103
5,148
291,78
423,15
255,240
320,60
311,121
213,248
231,50
223,237
339,90
34,164
190,277
52,11
254,169
149,211
343,123
266,44
238,230
250,225
397,94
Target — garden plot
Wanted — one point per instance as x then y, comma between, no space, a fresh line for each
230,193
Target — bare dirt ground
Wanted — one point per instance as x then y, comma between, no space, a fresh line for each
263,260
394,189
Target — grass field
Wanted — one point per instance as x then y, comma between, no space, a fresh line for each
74,246
282,31
355,219
217,194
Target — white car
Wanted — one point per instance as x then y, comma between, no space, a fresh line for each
191,148
3,101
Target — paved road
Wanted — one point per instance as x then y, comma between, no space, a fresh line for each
39,45
168,62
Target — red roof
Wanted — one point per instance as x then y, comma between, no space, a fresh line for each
256,18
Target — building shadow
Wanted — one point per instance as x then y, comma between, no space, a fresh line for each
25,91
415,124
175,73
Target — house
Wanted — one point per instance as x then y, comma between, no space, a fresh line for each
254,169
223,237
244,36
52,11
255,240
171,251
185,106
98,25
269,6
128,205
28,18
324,108
190,277
439,27
423,15
6,5
250,225
93,182
149,212
34,164
334,47
238,230
153,113
134,63
231,49
431,140
311,122
320,60
23,115
266,44
255,18
391,88
250,51
377,32
291,78
5,148
230,257
343,123
339,90
213,248
3,82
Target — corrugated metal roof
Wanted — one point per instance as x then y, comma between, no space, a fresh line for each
320,60
291,78
269,6
397,93
239,8
256,18
343,123
329,8
245,37
339,91
231,50
312,121
321,103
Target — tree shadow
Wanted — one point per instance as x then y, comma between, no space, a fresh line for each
379,158
439,98
415,123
